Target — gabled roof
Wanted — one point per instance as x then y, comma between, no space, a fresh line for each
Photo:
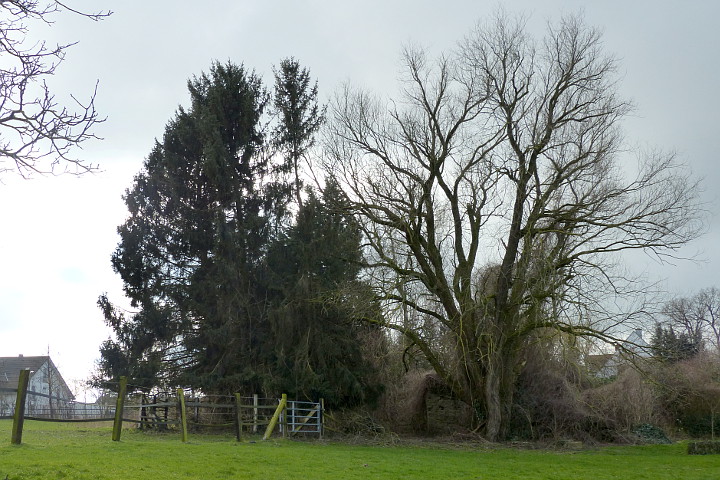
637,337
10,368
10,371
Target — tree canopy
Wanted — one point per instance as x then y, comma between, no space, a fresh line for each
482,214
494,195
233,294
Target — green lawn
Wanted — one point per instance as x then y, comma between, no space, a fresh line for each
82,451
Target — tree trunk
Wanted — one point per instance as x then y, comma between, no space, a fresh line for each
498,392
493,406
712,424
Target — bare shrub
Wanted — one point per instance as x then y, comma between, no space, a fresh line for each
357,422
625,403
421,403
403,404
556,399
549,404
690,393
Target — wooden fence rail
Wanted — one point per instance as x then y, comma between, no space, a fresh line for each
246,415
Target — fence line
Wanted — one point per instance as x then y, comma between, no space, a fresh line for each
163,410
159,411
44,407
245,414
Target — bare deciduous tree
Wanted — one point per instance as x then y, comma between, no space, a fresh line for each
34,126
494,201
709,298
697,316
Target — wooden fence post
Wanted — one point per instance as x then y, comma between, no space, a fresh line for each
322,417
19,416
143,411
275,417
238,417
256,402
183,414
289,412
119,406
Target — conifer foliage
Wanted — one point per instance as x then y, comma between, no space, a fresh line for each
315,332
227,292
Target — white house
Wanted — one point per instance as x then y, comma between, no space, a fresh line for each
48,394
632,348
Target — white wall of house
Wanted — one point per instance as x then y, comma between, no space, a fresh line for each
48,394
54,395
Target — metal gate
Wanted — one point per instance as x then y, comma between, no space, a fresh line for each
303,417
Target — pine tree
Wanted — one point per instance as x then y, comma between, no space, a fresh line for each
669,346
231,296
299,114
318,340
202,212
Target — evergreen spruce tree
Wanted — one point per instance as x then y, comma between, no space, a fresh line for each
201,215
318,347
299,115
669,346
229,295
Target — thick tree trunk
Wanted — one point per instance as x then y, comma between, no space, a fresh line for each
493,406
498,393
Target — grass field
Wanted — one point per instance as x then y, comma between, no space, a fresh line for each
85,451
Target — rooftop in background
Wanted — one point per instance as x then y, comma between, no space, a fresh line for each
10,368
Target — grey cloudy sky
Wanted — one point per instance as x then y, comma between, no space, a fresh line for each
57,234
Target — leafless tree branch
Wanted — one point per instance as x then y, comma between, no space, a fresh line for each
37,132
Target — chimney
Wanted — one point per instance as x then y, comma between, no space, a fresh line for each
20,356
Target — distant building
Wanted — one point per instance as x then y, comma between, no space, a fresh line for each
48,394
607,365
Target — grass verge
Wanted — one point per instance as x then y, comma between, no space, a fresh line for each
85,451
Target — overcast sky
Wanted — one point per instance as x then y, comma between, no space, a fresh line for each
57,234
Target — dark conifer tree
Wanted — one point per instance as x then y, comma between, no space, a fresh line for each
670,346
228,298
201,216
299,116
318,347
